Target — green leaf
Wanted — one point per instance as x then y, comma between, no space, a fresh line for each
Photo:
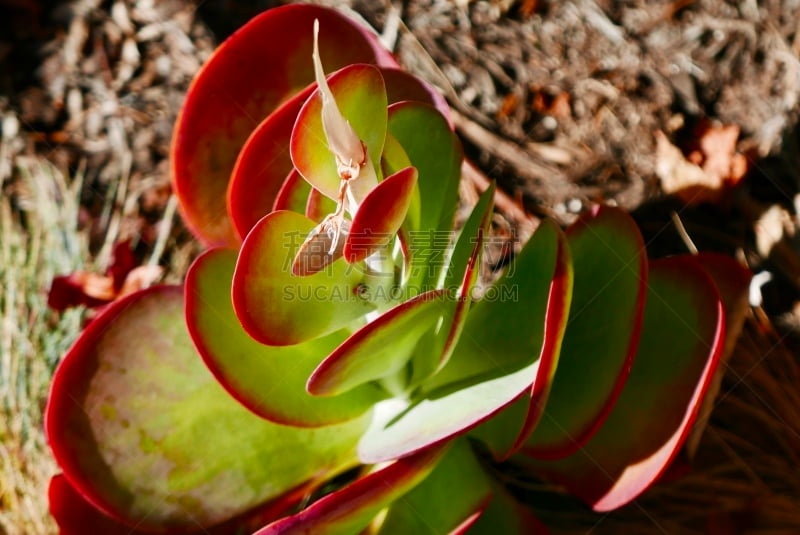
142,429
681,342
496,361
380,215
435,151
403,86
361,97
506,516
278,308
507,432
262,167
602,331
269,380
293,195
318,205
449,500
380,348
352,508
263,64
459,281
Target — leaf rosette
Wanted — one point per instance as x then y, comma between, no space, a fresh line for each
332,324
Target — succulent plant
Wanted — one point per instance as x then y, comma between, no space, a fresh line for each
333,326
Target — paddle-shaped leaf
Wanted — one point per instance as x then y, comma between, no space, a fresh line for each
733,283
681,341
278,308
380,215
293,194
264,160
318,205
459,281
439,174
506,516
489,368
247,369
351,509
76,516
262,167
403,86
380,348
449,500
143,431
508,430
602,331
250,74
360,94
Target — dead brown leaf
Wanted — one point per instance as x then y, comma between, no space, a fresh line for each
708,171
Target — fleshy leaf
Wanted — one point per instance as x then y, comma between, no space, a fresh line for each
733,283
507,432
318,205
602,331
293,194
380,348
361,97
263,164
439,173
449,500
249,75
322,247
76,516
278,308
380,215
681,341
143,431
506,516
264,159
403,86
249,370
351,509
495,362
459,281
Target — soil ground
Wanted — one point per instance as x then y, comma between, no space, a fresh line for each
564,104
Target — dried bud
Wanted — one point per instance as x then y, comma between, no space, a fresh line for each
322,247
344,143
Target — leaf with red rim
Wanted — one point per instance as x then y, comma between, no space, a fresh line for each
449,500
143,431
352,508
439,174
247,369
506,516
293,194
459,281
248,76
403,86
261,169
380,215
380,348
361,97
278,308
732,280
507,432
602,331
681,342
76,516
264,160
318,205
495,364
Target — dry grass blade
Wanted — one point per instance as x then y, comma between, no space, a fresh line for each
38,239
